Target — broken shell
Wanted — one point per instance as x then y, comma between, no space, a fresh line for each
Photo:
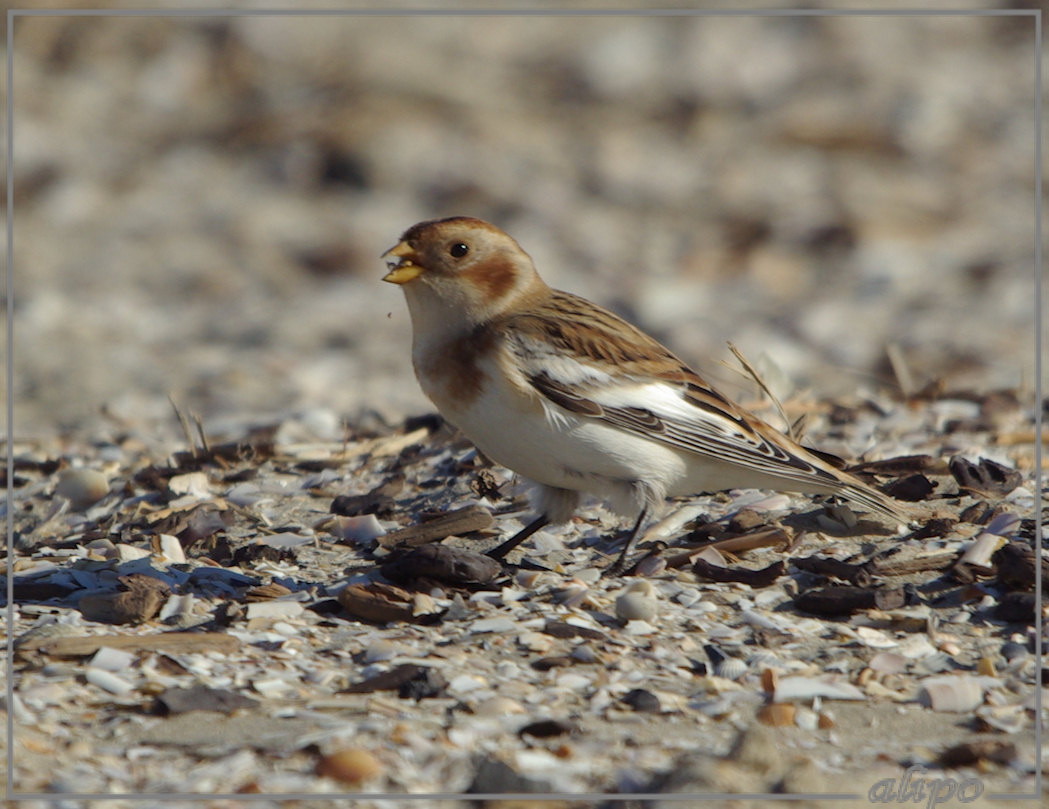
361,530
171,549
1006,718
955,694
527,578
637,603
982,549
571,595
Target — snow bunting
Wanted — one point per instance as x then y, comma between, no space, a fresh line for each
574,398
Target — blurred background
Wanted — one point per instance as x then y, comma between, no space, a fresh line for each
200,203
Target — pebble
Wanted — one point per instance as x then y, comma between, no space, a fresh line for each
353,766
642,701
637,603
82,487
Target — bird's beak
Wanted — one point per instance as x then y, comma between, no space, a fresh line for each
402,266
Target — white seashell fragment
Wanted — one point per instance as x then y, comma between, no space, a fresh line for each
774,502
1006,718
103,547
805,688
191,483
888,663
245,494
637,603
509,595
527,578
755,618
544,542
176,605
108,681
498,706
171,549
271,686
686,597
916,647
954,694
109,659
574,682
536,641
983,548
589,575
875,638
572,594
361,530
806,718
499,623
673,522
129,553
424,604
382,649
585,653
274,609
465,683
285,540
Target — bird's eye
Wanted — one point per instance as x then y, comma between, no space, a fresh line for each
458,250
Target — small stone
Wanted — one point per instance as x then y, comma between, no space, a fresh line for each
642,701
637,603
353,766
82,487
131,607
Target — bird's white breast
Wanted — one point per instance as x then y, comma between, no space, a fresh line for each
517,428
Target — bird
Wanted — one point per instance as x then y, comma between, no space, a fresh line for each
573,398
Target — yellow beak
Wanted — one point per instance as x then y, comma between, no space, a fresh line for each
405,269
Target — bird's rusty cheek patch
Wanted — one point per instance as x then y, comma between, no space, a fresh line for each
494,278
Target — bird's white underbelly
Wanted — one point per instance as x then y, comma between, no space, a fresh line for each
517,430
565,452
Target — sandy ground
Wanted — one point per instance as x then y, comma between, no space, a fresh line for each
200,205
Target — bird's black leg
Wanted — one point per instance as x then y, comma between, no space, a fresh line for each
619,565
501,551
